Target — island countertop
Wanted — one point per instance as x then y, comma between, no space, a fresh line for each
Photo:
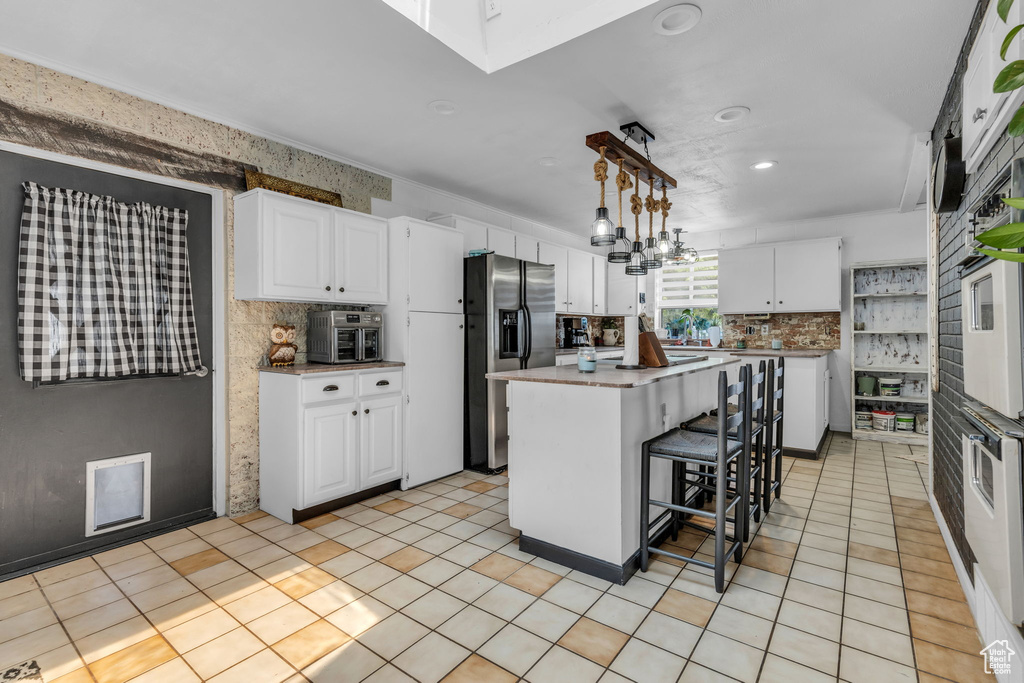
607,375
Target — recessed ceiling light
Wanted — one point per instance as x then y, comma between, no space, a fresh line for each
548,161
677,19
443,107
730,114
764,165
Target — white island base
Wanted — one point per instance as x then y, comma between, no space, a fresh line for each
574,456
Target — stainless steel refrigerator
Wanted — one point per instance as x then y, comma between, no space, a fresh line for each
510,325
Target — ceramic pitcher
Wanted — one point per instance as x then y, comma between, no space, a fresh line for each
611,337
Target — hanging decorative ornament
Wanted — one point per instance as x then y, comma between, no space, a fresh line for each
601,230
664,244
636,206
622,246
652,253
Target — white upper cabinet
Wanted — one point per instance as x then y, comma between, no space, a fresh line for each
580,282
600,285
360,258
623,291
526,248
780,278
986,114
291,249
557,256
434,255
501,242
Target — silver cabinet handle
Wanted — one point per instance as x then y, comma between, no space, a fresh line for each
979,114
331,387
383,383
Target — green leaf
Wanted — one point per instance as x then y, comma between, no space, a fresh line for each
1004,9
1014,256
1016,127
1015,202
1009,39
1010,236
1010,78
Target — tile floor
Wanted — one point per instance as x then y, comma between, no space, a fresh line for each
847,578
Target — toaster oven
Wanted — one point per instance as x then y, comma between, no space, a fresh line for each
345,337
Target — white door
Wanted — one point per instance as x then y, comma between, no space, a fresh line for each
435,269
600,285
557,256
581,282
746,279
434,384
475,234
296,250
380,441
807,276
501,242
360,258
979,102
526,248
622,291
329,452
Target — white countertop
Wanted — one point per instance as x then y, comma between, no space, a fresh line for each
607,375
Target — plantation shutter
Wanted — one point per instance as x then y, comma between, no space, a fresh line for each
689,285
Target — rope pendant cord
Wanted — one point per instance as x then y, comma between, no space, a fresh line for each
622,182
635,203
665,206
601,172
652,205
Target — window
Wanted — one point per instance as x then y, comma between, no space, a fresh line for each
688,288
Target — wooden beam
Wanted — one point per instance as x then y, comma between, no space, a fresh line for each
631,159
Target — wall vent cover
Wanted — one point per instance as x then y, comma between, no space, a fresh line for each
117,493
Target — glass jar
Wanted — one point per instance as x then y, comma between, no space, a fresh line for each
586,359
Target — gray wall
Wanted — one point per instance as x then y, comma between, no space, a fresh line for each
47,434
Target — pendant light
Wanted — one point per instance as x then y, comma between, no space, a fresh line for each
622,246
652,252
681,253
664,244
636,255
601,230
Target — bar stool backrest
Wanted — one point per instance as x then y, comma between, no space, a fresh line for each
726,391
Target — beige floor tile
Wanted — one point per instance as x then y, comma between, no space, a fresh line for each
349,663
132,661
194,563
98,619
200,630
173,671
741,626
875,590
809,650
476,669
163,594
190,547
468,585
317,522
281,623
346,564
372,577
950,610
304,583
261,556
877,640
114,638
505,601
63,572
400,592
945,633
465,554
31,645
309,644
87,601
643,662
263,666
687,607
21,602
434,608
394,635
136,565
862,667
224,652
18,586
430,659
331,597
282,569
751,577
559,665
178,612
515,649
26,622
235,588
669,633
75,585
407,559
146,580
779,670
215,574
497,566
294,544
596,642
321,552
723,655
360,615
572,595
245,545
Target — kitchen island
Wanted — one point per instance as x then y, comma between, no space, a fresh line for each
574,455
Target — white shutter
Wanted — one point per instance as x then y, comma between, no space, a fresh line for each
689,285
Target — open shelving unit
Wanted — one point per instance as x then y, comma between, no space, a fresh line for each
890,299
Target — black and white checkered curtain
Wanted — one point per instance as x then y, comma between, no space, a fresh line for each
103,288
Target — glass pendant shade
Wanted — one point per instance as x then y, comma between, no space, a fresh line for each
636,260
602,230
652,254
664,243
621,251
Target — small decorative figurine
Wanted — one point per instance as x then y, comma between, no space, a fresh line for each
282,351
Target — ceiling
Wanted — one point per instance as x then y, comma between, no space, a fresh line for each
836,96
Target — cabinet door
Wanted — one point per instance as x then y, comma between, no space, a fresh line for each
434,383
622,291
600,285
360,258
807,276
978,98
296,256
329,453
474,234
526,248
746,280
581,282
435,269
501,242
380,441
557,256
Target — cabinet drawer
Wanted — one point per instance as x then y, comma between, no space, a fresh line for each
384,382
329,388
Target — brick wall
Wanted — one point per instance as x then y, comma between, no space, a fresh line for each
796,330
946,458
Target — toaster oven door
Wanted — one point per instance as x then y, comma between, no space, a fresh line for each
347,345
371,344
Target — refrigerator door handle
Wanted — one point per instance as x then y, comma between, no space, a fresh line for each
528,349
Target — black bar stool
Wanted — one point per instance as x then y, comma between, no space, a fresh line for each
708,424
774,421
711,456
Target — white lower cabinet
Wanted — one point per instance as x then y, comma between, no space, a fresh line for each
327,435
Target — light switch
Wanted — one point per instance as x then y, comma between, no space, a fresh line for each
764,329
492,8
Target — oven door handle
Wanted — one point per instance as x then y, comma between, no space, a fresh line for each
980,434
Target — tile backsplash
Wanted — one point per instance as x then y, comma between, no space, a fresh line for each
796,330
